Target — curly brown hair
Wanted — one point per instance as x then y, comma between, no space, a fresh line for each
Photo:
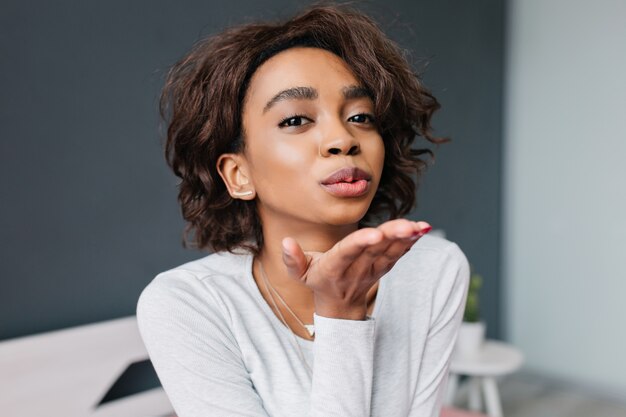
203,98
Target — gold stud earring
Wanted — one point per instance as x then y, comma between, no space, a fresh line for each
238,193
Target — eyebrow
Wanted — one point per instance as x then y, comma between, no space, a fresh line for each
309,93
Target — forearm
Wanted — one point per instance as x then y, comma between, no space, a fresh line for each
343,367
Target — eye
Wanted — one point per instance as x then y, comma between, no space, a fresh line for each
362,118
294,121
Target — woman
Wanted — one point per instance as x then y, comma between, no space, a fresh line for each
290,139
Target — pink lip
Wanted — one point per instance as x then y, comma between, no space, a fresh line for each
347,175
347,182
348,189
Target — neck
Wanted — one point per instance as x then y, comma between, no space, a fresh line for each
311,238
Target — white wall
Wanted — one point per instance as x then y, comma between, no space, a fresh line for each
565,189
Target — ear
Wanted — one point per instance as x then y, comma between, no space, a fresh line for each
234,172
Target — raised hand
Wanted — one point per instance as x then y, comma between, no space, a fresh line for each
341,277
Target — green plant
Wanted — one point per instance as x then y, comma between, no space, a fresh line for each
472,306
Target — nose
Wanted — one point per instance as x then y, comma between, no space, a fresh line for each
339,141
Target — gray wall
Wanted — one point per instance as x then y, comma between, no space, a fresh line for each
565,119
88,213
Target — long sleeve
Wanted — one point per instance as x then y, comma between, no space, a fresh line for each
202,369
343,371
194,354
449,298
219,350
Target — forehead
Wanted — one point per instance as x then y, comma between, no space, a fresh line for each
299,67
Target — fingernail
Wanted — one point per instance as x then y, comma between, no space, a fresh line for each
416,235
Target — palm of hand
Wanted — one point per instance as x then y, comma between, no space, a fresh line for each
341,277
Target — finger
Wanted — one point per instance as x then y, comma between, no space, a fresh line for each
394,252
399,247
397,228
362,263
394,231
403,228
341,256
399,235
359,249
423,227
294,258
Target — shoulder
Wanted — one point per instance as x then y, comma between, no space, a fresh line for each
434,275
432,263
182,319
192,285
434,252
211,266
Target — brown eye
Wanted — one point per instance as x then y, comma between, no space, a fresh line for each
362,118
293,121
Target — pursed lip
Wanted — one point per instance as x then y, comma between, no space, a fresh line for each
349,174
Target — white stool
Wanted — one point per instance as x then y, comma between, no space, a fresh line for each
494,359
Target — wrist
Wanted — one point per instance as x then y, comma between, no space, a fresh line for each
339,310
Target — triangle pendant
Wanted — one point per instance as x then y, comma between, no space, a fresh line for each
310,328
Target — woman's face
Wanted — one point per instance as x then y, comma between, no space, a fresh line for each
305,117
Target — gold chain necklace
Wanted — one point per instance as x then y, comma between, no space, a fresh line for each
310,328
282,318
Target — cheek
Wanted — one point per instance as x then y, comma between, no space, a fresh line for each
377,153
282,162
382,152
289,160
294,153
377,159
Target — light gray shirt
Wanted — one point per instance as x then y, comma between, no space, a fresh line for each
219,349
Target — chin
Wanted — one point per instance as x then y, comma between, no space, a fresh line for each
343,216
